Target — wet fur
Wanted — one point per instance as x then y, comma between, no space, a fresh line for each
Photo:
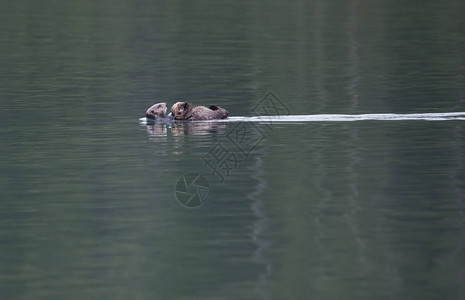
156,111
186,111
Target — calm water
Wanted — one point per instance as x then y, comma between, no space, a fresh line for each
301,210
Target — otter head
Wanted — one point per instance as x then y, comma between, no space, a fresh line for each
181,110
156,111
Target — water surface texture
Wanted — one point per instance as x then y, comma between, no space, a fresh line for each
340,197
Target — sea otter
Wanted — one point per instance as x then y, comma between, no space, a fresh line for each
185,111
157,112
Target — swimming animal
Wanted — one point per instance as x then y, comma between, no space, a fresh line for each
186,111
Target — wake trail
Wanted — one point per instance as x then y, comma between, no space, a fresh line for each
340,118
348,118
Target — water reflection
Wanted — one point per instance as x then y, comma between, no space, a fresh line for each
456,175
185,128
259,228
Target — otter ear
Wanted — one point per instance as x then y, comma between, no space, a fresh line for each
186,105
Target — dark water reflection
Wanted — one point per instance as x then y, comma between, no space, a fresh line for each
323,210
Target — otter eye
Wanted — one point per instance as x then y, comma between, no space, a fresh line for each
152,111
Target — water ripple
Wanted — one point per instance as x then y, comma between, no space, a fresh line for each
339,118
